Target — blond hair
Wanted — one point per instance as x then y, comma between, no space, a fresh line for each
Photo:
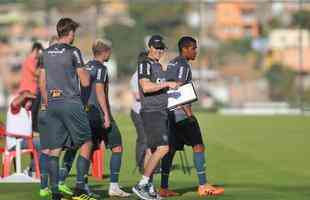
101,45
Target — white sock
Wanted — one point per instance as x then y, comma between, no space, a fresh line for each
114,185
144,180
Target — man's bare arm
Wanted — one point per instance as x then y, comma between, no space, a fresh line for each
188,110
83,76
149,87
42,86
102,100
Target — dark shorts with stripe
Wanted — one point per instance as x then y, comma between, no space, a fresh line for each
156,127
185,132
111,136
64,125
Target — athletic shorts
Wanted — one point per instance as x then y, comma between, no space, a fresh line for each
64,125
111,136
35,111
156,127
186,132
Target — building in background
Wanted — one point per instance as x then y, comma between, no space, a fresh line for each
235,20
280,39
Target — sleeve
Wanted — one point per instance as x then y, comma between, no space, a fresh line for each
134,83
77,58
144,70
101,76
183,73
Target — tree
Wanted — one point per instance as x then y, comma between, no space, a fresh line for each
302,19
166,18
127,42
281,83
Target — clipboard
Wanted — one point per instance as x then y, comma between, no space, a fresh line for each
185,94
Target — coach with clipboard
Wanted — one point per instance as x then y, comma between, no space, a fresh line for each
185,128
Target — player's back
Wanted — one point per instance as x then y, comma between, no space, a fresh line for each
179,69
60,62
98,73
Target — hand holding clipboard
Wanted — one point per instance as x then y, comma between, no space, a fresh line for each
185,94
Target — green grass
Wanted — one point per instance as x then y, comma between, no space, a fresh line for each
254,158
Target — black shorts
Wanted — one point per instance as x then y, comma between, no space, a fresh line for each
186,132
111,136
156,127
64,125
35,111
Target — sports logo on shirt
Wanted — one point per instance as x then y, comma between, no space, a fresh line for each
56,51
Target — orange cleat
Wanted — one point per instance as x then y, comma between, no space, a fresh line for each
165,192
209,190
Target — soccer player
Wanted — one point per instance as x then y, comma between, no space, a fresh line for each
154,100
68,126
142,152
187,131
102,123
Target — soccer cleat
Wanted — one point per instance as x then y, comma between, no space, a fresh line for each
57,196
83,197
165,192
65,189
209,190
80,194
45,192
154,193
117,192
143,191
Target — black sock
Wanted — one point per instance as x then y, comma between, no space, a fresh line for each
67,164
115,166
82,167
166,164
54,173
44,159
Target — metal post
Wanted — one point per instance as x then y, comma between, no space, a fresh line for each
300,83
201,39
18,156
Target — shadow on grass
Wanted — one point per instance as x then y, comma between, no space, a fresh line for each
255,186
103,193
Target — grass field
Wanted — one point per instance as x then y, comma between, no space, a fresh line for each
254,158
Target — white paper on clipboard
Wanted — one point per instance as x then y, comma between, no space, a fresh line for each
185,94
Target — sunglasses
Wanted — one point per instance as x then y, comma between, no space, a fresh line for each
160,50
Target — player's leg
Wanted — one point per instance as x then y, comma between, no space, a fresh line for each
44,159
194,138
52,142
76,121
114,141
44,155
53,166
141,143
82,165
167,160
166,165
65,169
156,127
